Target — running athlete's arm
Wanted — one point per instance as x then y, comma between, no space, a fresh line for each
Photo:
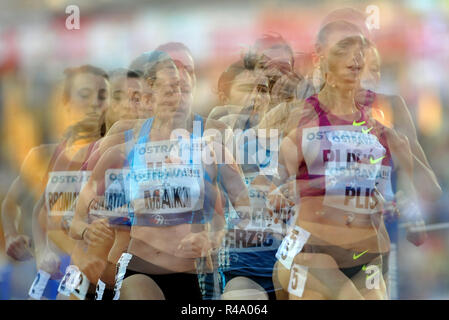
122,125
295,114
288,165
70,161
98,231
39,232
102,146
204,237
221,111
403,158
233,182
229,172
290,156
283,188
425,180
46,258
10,208
17,245
29,180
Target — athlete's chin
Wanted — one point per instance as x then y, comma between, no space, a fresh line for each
350,83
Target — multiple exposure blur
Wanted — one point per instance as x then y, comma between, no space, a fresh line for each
267,150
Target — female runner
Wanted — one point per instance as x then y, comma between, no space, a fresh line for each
340,158
160,259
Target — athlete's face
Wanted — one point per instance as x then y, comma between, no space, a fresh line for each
371,74
184,60
284,90
146,105
125,99
185,106
166,90
274,63
135,97
119,100
260,96
241,89
89,96
344,59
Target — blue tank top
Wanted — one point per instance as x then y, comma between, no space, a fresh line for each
174,192
251,252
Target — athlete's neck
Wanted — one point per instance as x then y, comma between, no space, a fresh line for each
168,125
339,101
108,125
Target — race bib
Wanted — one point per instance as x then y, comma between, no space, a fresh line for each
122,264
62,191
115,203
167,177
99,290
263,232
340,144
350,158
298,277
39,285
357,188
292,245
70,281
181,150
171,188
81,289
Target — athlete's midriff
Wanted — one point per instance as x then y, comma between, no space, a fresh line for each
329,224
158,245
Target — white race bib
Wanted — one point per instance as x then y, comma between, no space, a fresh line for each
63,188
122,264
292,245
351,161
99,290
171,188
115,203
39,285
70,281
298,277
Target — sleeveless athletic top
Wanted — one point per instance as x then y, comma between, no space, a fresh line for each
251,251
63,188
116,203
169,194
346,162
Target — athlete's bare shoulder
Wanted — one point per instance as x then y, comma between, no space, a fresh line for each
125,124
221,111
111,141
36,162
42,152
81,156
231,119
301,114
112,158
401,114
72,158
215,124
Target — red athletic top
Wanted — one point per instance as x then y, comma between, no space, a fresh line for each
332,145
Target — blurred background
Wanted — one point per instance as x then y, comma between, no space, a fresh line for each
36,47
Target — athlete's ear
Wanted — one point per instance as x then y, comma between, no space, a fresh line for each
319,52
224,100
315,56
149,82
